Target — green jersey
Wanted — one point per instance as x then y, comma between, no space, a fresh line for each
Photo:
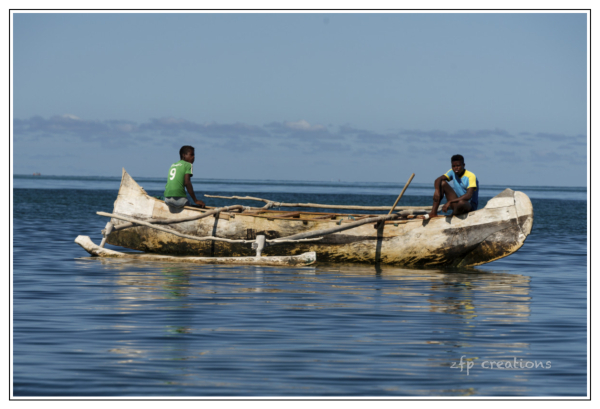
175,180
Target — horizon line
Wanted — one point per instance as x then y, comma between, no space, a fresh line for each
279,180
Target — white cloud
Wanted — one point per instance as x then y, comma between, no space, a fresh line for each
303,125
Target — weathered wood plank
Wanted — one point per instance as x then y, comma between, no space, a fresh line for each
291,214
329,216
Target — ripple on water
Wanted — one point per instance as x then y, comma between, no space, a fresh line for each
91,327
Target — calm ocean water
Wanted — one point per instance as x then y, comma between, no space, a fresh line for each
86,327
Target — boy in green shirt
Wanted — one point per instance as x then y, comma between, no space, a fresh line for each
179,177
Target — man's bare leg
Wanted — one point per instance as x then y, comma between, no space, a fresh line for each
462,207
444,189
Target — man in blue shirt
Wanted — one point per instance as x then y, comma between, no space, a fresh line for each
463,196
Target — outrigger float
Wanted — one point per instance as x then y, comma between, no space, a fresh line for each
253,235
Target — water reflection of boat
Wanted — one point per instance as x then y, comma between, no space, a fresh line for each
467,294
422,320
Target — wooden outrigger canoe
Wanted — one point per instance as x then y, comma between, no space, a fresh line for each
145,223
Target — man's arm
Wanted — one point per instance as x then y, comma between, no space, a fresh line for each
188,185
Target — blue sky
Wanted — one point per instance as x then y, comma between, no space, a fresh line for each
309,96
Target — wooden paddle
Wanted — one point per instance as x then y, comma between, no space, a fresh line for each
401,193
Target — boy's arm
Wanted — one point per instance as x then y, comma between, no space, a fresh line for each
188,185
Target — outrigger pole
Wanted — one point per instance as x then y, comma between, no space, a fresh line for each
301,260
322,206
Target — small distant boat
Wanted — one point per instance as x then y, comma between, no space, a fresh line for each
145,223
37,174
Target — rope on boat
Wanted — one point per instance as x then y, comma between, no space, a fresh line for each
271,203
188,219
187,236
306,236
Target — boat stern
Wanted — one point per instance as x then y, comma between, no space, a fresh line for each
132,199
